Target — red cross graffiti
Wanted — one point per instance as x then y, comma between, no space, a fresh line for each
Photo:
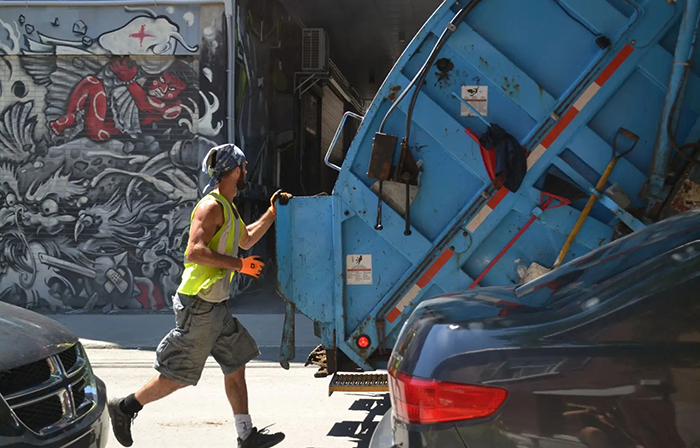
141,35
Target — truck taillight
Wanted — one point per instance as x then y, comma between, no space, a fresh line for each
363,341
421,401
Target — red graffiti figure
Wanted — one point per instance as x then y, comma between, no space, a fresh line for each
155,104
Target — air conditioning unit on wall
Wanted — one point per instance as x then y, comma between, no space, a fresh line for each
314,50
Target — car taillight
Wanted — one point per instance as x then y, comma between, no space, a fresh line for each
420,401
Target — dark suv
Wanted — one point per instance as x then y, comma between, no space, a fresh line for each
49,396
601,352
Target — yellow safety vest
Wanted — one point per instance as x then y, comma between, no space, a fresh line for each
202,280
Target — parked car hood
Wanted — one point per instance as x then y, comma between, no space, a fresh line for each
26,337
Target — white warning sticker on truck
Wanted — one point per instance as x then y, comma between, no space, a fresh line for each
358,269
477,97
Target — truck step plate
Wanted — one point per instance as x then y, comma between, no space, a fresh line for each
358,382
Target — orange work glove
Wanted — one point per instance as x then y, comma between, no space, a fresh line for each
282,197
252,266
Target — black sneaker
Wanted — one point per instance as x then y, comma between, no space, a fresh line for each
121,422
261,439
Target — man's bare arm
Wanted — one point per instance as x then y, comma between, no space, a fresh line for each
208,218
255,231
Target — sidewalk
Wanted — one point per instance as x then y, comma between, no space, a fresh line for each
261,312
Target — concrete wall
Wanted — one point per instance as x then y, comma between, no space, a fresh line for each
105,113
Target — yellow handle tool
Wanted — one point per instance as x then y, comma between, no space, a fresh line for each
599,188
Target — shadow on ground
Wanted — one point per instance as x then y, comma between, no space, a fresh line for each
372,407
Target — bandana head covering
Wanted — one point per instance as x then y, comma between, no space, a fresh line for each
221,159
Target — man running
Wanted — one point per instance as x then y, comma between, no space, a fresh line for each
204,324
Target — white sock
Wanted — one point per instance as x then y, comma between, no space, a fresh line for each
244,425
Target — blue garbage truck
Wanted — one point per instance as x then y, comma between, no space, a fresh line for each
509,138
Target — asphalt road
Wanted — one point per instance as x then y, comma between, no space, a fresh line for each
294,401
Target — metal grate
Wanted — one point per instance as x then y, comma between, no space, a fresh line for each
359,382
25,377
332,110
79,393
69,358
41,414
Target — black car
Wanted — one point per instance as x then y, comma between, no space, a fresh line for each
49,395
602,352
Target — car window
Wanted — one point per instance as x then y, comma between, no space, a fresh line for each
657,302
580,283
663,279
610,260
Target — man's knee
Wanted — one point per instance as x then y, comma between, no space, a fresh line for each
171,384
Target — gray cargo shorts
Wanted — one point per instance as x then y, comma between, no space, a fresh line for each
202,329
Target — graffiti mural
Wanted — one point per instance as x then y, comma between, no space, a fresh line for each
102,129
